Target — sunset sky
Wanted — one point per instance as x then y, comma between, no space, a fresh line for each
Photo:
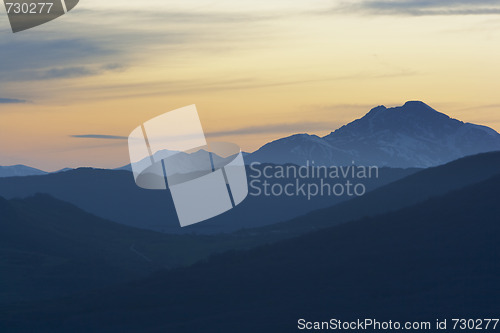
257,70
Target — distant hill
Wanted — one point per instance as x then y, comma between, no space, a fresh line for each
49,248
405,192
435,260
113,195
19,170
412,135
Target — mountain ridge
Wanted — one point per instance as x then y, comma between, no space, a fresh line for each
20,170
431,260
405,192
113,195
412,135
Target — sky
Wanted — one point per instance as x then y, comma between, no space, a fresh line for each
72,90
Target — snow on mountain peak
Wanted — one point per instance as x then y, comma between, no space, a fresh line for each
412,135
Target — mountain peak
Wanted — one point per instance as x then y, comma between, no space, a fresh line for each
408,107
410,135
376,110
417,105
413,111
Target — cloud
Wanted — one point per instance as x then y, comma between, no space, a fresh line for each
124,90
12,101
77,46
74,72
68,72
300,127
28,60
89,42
423,7
489,106
99,136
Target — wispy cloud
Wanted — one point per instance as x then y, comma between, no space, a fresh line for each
28,59
12,101
301,127
488,106
74,72
336,107
289,128
99,136
124,90
70,52
298,127
422,7
88,42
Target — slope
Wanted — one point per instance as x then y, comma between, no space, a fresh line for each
113,195
49,248
437,259
405,192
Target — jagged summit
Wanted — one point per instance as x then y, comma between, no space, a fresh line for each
376,110
417,107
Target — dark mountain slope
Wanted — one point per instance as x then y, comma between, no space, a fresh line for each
113,195
49,248
49,238
438,259
406,192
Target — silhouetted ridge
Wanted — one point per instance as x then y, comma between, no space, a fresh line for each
405,192
411,135
114,195
438,259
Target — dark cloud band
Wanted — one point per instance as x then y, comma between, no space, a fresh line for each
423,7
12,101
99,136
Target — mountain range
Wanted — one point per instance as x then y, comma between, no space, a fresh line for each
406,192
113,195
24,171
412,135
50,248
437,259
19,171
421,244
